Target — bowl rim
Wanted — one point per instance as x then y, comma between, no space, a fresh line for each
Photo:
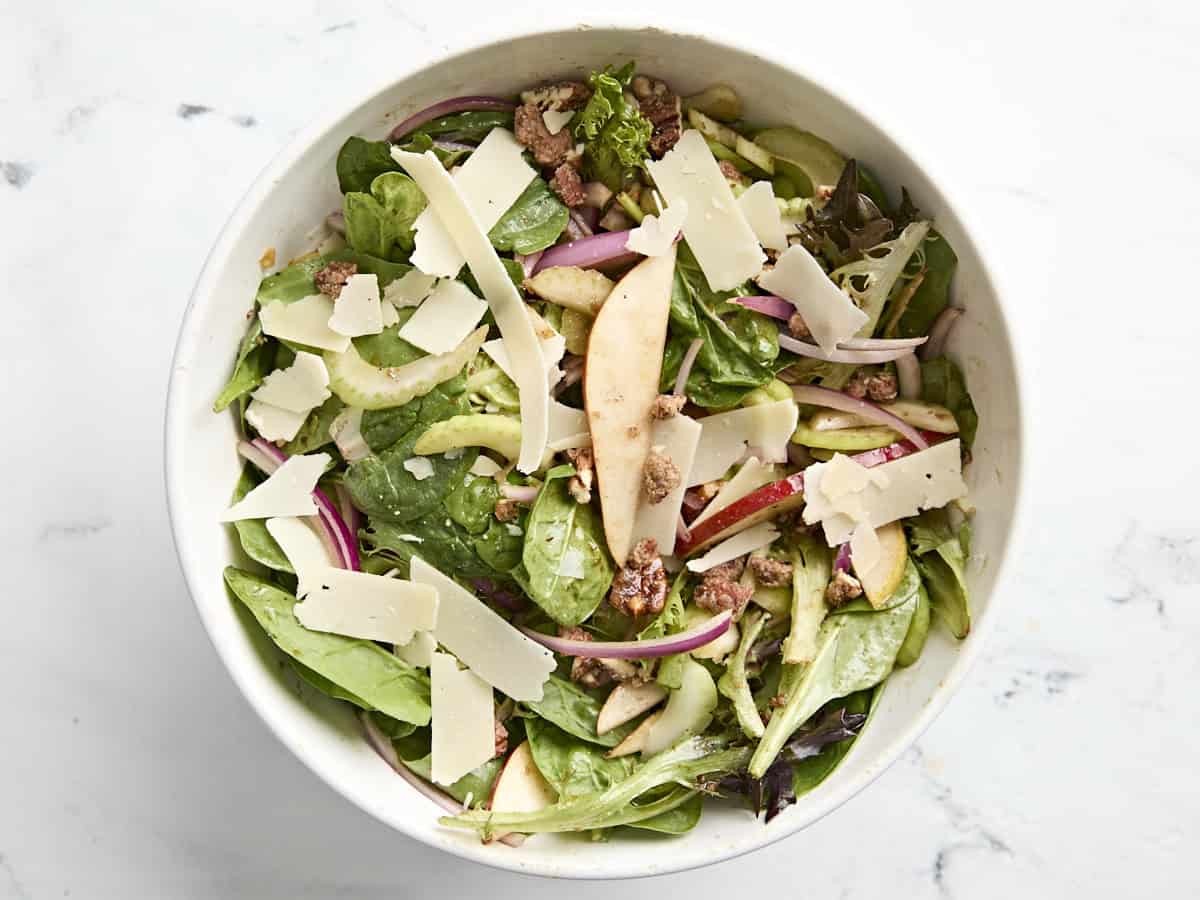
471,43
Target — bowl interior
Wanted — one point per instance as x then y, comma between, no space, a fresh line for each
293,196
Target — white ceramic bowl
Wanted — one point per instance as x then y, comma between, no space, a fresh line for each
294,194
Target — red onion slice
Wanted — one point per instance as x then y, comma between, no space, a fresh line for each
775,307
268,458
908,374
346,507
528,263
520,493
581,223
588,252
446,108
685,366
940,331
454,146
855,357
819,396
683,642
841,562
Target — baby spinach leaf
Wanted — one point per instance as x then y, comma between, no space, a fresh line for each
295,282
435,538
314,433
934,292
360,161
918,631
362,668
329,688
253,534
573,767
380,485
256,355
853,653
472,125
380,223
943,382
515,274
575,711
740,350
472,503
563,537
941,556
531,224
500,547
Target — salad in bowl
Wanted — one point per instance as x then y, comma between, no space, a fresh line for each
604,455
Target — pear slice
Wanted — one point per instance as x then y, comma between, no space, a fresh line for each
881,580
627,701
620,382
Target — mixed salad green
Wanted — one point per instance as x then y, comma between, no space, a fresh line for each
604,455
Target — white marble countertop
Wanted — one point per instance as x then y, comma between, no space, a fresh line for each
130,767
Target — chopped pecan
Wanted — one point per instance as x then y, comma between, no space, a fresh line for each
778,701
331,279
548,149
878,385
580,484
728,571
660,475
568,185
663,109
797,327
770,572
564,95
506,510
842,587
667,405
640,586
592,672
716,593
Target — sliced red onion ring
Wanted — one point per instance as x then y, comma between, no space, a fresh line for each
683,642
346,507
520,493
454,146
908,374
881,343
446,108
855,357
528,263
880,455
590,215
939,331
819,396
685,365
268,458
768,305
588,252
841,562
581,223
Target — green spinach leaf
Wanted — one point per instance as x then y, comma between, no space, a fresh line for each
680,820
380,485
252,533
329,688
853,653
573,767
255,357
531,224
934,291
575,711
362,668
472,125
380,223
565,559
943,382
472,504
442,543
360,161
314,433
500,546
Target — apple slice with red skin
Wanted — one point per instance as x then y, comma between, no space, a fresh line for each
520,787
768,501
626,702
